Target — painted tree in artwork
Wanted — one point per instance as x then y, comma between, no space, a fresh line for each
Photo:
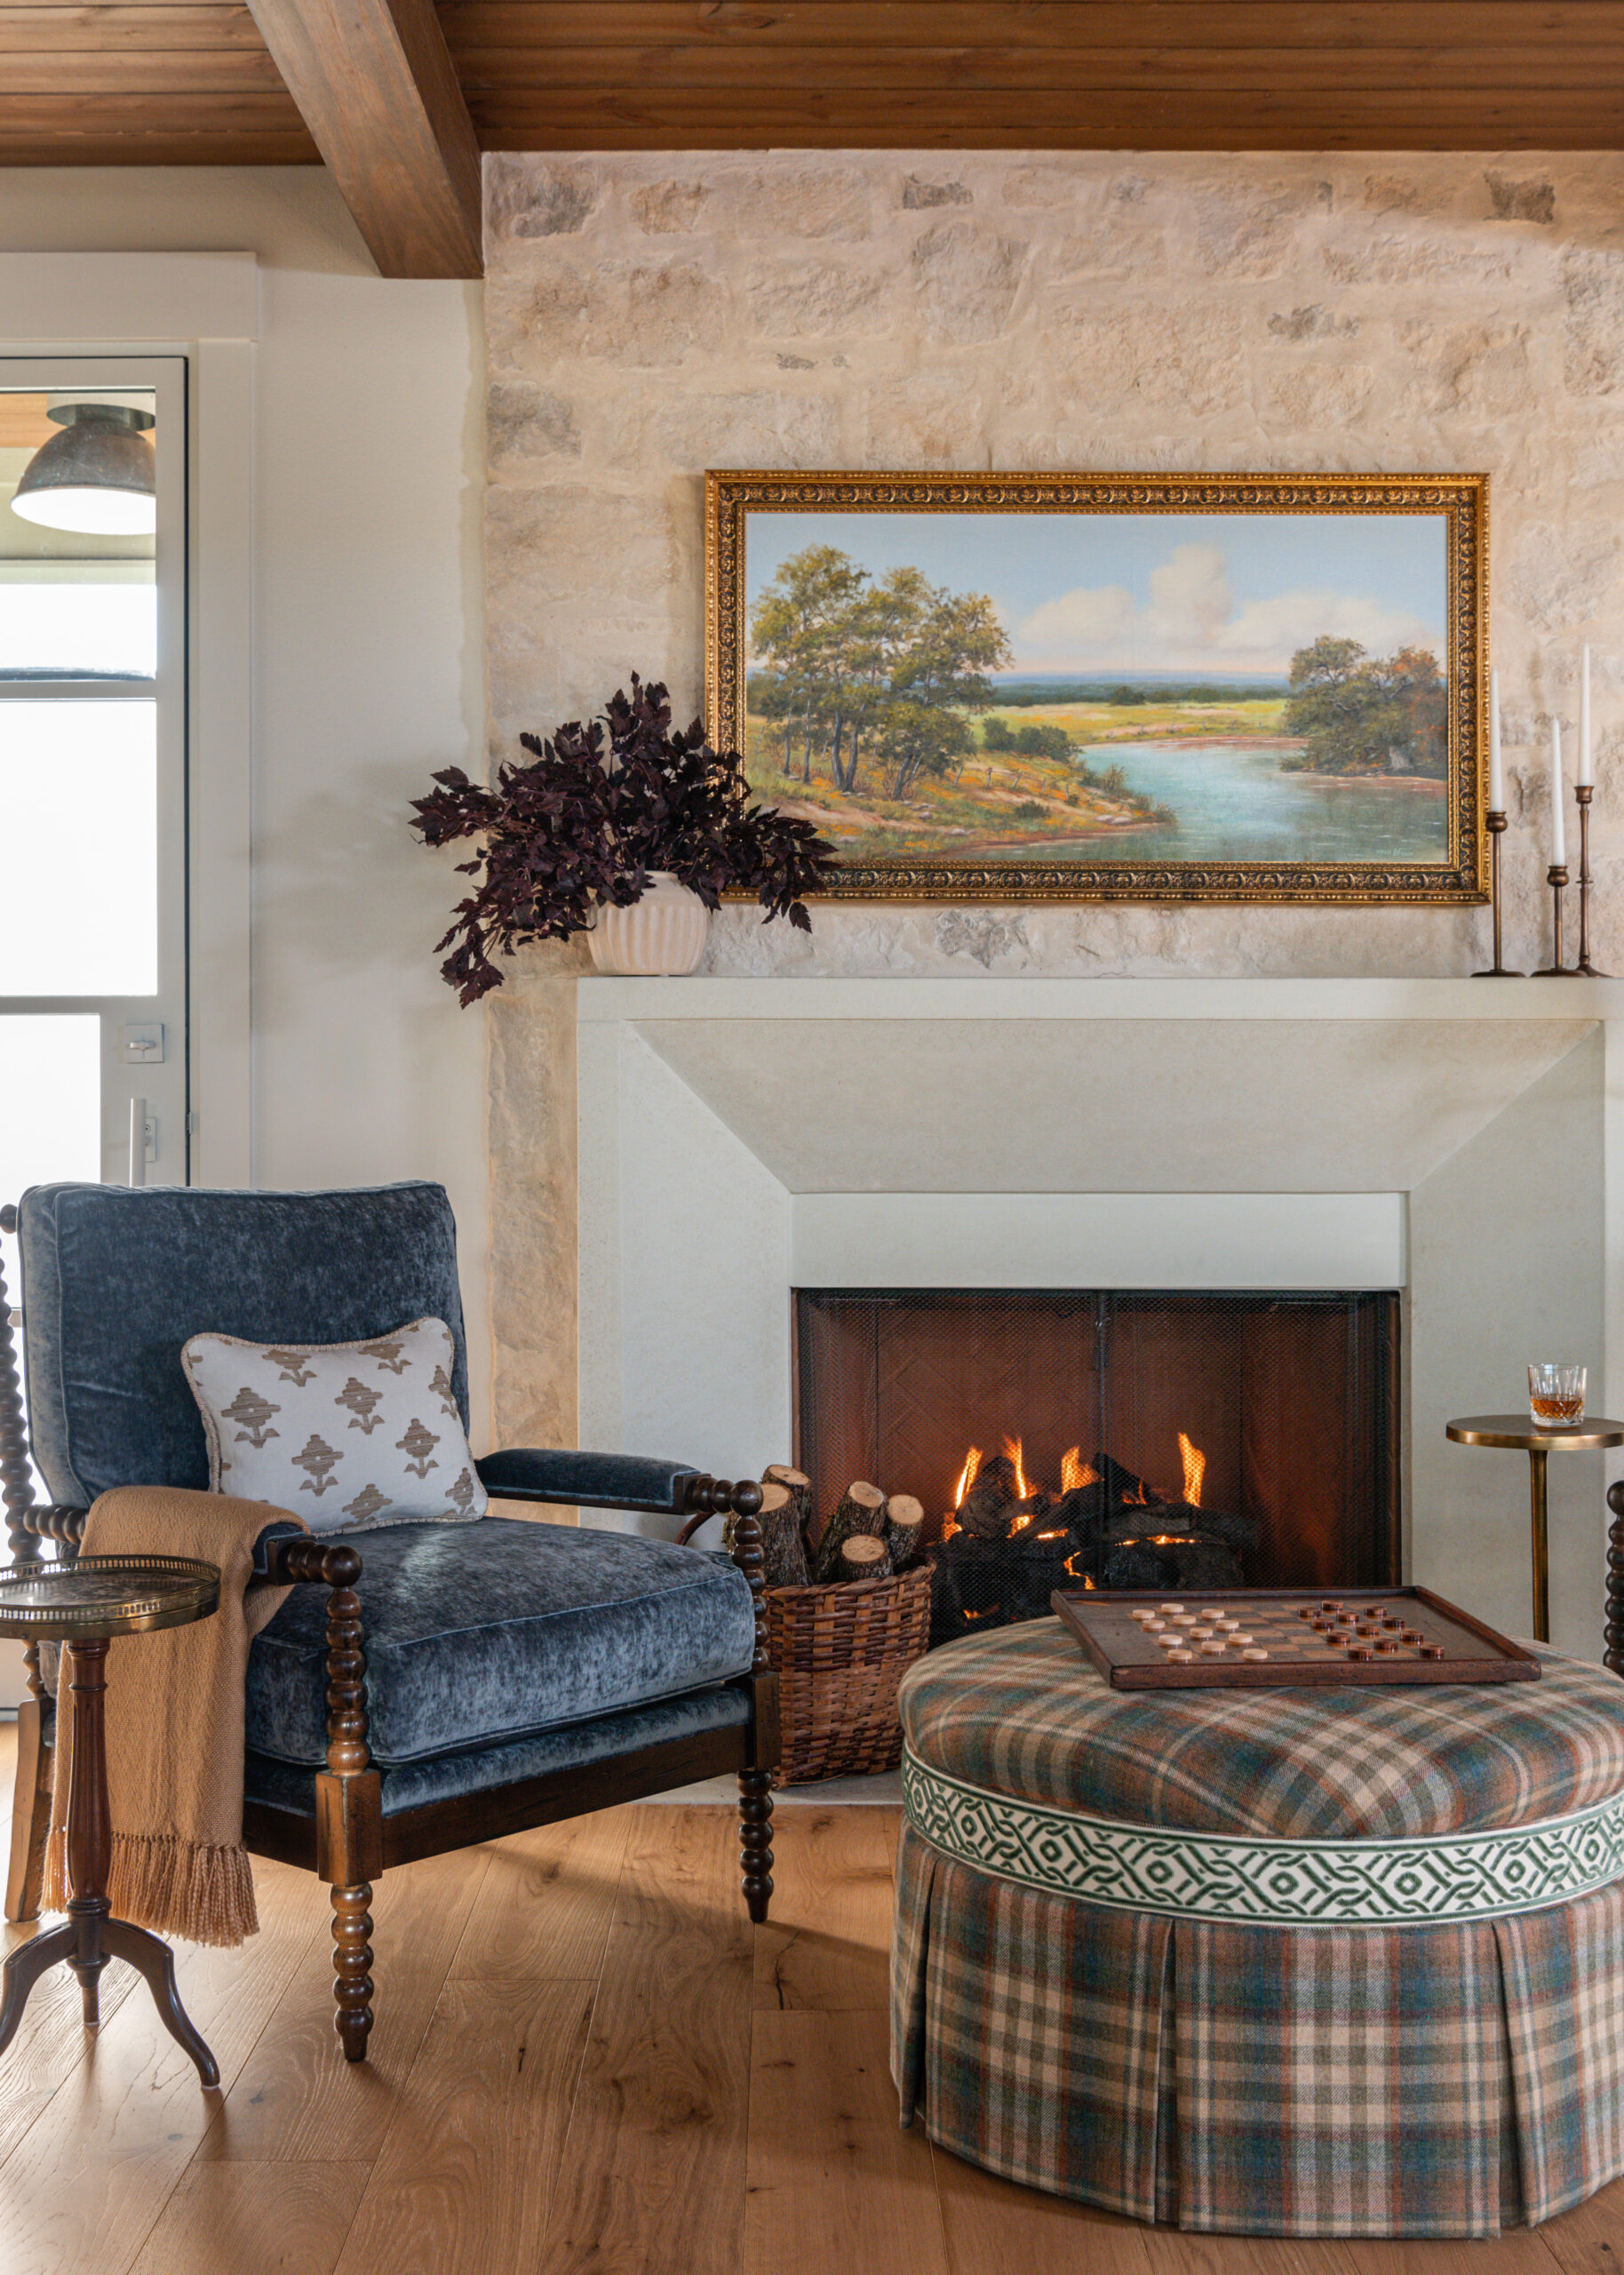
861,669
1358,714
803,621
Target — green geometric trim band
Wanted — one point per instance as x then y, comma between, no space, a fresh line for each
1271,1883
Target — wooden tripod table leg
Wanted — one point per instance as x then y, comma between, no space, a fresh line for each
89,1936
90,1828
154,1958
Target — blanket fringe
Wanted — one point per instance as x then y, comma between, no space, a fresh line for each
177,1887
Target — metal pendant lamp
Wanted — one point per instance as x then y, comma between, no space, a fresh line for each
96,477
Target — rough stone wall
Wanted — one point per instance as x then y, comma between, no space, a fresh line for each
650,316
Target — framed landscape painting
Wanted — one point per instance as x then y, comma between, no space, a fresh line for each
1111,686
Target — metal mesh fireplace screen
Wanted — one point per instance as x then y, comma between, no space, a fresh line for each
1113,1441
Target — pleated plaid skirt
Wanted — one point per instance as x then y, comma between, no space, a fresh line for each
1306,1963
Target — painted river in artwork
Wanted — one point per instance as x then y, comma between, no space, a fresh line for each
1234,804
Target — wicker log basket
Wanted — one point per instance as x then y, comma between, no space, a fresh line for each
840,1653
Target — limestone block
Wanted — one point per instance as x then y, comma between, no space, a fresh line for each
638,313
1311,322
919,195
1532,199
966,280
525,199
758,428
523,421
814,299
814,199
1317,395
1559,576
1480,369
1056,187
986,936
1412,257
669,209
541,542
928,418
1251,228
1403,194
1188,360
1593,332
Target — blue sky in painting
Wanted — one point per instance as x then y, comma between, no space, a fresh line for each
1211,593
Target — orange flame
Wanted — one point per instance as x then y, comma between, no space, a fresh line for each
1011,1454
967,1475
1075,1472
1195,1470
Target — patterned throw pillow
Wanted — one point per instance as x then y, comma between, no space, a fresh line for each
351,1435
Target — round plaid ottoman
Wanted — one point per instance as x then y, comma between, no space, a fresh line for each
1314,1962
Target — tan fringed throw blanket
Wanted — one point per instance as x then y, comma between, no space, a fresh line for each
175,1722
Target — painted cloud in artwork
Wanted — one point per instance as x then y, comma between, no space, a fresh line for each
1193,621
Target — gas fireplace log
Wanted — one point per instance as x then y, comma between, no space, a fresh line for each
862,1511
988,1504
904,1528
862,1558
784,1553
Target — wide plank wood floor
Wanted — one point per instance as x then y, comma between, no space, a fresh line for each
586,2060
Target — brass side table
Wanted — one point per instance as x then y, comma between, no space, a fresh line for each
83,1606
1517,1432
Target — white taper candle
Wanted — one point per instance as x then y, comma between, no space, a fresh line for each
1558,840
1497,788
1584,777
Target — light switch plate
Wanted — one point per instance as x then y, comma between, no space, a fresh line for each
144,1043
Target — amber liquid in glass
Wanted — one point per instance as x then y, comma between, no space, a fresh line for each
1558,1410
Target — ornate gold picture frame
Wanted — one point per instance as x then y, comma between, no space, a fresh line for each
1112,686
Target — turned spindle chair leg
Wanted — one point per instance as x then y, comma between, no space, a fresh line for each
31,1798
1613,1634
348,1794
755,1784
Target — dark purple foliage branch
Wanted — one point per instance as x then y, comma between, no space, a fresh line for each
580,826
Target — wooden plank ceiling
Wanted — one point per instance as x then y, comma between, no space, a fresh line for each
176,81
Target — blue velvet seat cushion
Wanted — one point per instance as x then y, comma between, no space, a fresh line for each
482,1633
573,1745
115,1278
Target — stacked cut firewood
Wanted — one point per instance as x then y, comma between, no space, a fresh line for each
868,1536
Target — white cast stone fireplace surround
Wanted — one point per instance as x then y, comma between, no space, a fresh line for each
1461,1141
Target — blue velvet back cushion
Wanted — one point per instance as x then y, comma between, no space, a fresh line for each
116,1278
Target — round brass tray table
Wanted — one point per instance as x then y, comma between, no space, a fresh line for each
1518,1433
83,1606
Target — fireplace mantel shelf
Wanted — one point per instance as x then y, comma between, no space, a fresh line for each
906,997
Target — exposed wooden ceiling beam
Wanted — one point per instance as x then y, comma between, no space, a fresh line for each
374,83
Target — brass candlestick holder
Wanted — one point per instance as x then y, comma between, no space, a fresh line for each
1584,792
1556,878
1494,822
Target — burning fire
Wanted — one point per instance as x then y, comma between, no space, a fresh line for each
1011,1450
1195,1470
968,1475
1075,1472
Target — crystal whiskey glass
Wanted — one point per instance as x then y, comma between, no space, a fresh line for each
1556,1394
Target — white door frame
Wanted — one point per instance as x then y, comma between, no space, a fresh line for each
203,307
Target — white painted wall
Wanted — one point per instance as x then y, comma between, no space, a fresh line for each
368,670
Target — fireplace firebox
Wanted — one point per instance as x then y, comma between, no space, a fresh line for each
1110,1440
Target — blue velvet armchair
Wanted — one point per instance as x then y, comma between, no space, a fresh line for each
455,1682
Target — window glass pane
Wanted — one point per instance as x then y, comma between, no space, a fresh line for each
76,631
78,854
78,597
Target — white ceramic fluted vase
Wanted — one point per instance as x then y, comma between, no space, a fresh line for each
659,937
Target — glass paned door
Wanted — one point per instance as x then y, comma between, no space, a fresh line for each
93,773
